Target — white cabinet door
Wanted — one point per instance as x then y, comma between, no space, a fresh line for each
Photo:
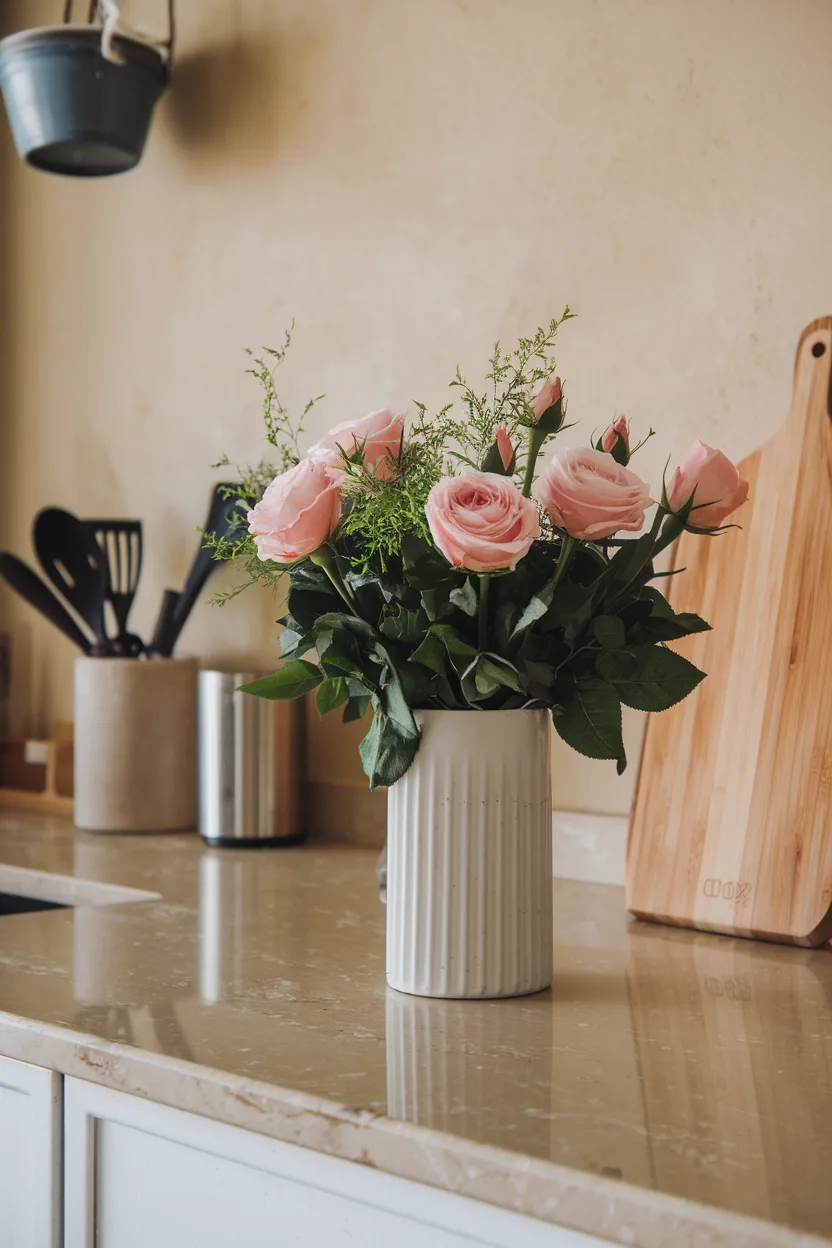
30,1156
139,1174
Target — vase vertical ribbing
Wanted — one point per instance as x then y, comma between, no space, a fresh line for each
469,877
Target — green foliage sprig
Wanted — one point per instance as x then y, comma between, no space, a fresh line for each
281,431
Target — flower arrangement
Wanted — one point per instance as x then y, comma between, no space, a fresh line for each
446,564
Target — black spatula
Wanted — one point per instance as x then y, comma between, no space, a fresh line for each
38,594
226,516
75,564
121,542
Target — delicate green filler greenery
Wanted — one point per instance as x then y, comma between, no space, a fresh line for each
379,618
281,432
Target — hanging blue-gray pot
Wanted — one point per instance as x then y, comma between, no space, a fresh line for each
73,111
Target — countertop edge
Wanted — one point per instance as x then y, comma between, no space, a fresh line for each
594,1204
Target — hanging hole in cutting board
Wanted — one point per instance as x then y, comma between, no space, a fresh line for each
818,349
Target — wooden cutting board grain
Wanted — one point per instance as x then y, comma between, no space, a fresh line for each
732,826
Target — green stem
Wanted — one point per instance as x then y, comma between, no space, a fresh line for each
536,440
672,529
657,545
482,622
324,558
564,559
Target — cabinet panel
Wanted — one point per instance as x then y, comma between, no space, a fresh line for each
30,1156
139,1174
153,1191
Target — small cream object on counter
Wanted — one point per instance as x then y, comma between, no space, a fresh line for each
135,744
671,1088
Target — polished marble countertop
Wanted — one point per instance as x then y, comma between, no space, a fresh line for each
673,1088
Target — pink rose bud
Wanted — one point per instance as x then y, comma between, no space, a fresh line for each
719,487
589,495
481,521
546,397
504,446
619,426
299,511
380,434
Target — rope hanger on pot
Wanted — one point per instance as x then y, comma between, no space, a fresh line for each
108,12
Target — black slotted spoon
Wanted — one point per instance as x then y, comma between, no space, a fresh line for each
75,564
121,543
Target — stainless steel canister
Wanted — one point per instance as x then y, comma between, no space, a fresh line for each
250,764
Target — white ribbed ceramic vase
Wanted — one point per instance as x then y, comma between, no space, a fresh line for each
469,868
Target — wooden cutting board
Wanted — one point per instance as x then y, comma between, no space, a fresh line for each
732,826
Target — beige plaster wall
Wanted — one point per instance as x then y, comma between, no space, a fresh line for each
408,179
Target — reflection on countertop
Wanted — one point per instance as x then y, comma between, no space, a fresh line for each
663,1064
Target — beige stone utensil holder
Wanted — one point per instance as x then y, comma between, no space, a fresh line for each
135,744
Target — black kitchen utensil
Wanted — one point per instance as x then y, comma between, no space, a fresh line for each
121,542
225,516
162,642
75,564
38,594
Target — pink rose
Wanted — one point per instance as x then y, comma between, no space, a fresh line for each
504,446
589,495
299,511
380,434
481,521
619,426
719,487
546,397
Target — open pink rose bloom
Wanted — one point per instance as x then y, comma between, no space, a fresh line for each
299,511
379,434
481,521
588,495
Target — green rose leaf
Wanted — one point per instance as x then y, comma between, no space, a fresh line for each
339,653
663,623
504,619
465,597
658,679
350,623
539,673
387,751
609,631
492,673
419,685
306,606
332,694
458,650
630,560
404,626
591,721
540,602
355,708
414,548
292,680
662,628
395,704
534,610
435,603
691,622
430,654
290,643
